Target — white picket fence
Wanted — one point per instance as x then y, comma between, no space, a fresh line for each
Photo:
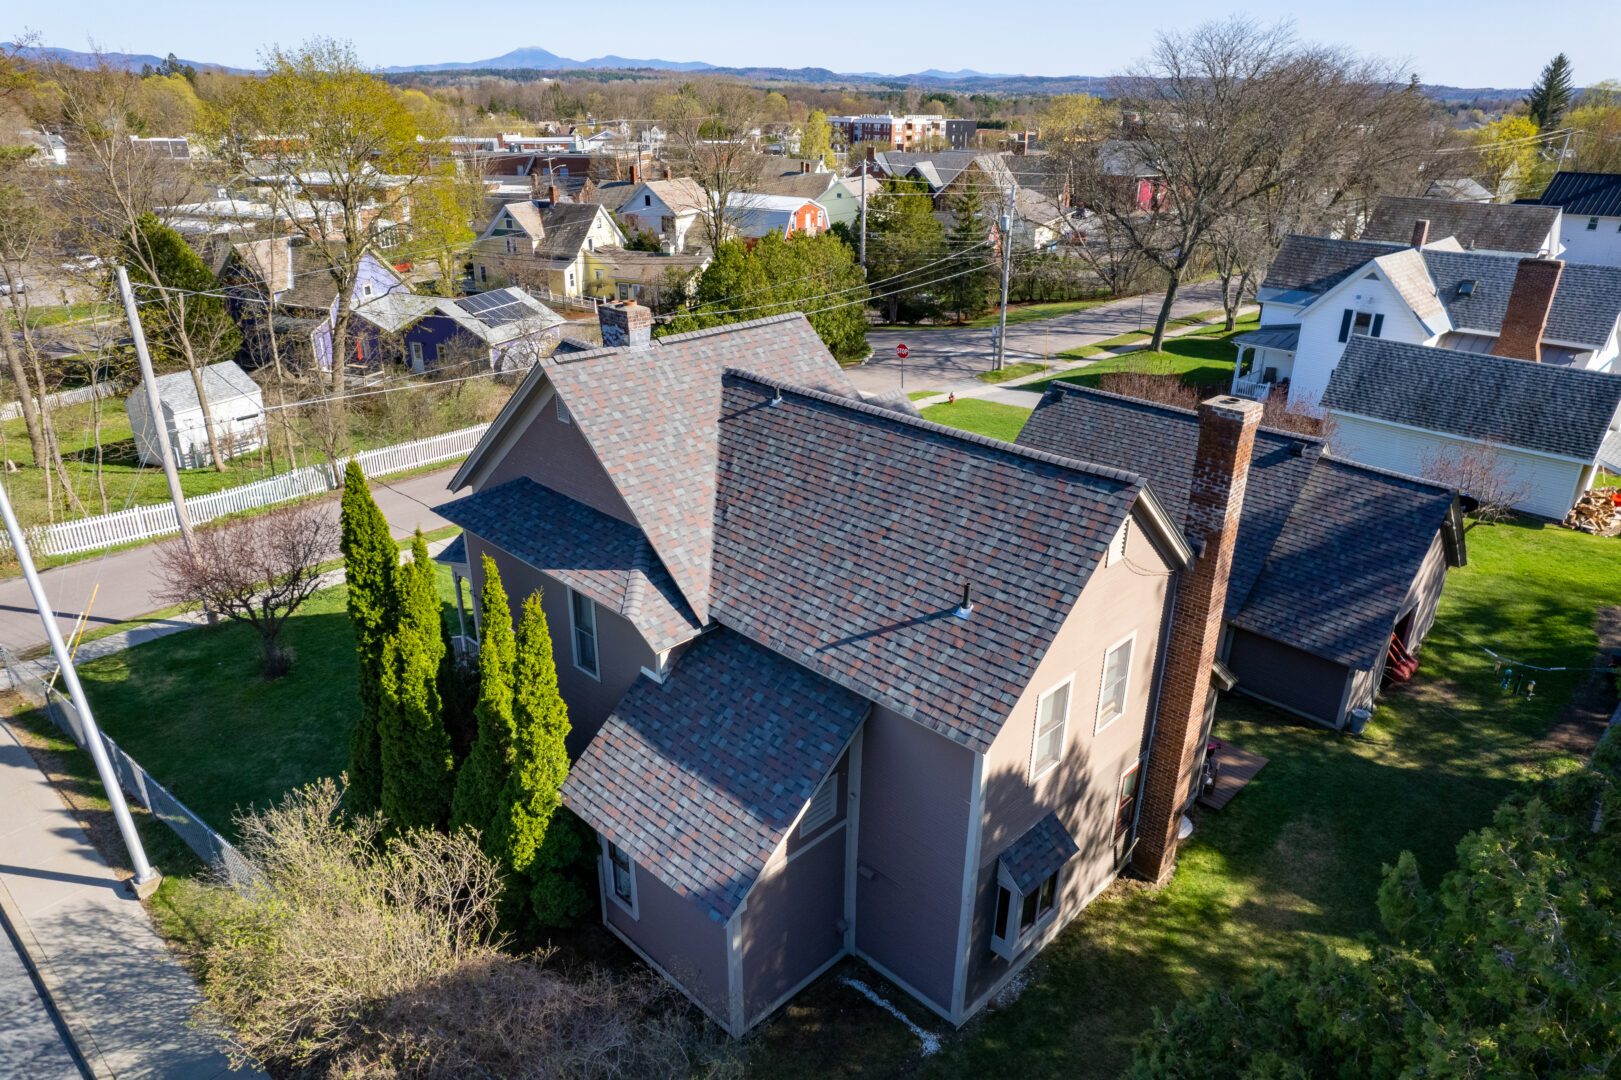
144,522
64,398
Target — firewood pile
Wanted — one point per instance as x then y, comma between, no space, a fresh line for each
1597,512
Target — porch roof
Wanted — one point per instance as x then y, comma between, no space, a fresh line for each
1282,336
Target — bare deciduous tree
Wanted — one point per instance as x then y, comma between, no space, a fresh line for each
1478,471
257,572
711,126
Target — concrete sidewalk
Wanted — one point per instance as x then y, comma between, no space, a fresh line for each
126,1002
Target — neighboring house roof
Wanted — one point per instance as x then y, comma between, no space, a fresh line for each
1544,407
313,285
1036,208
221,382
775,204
700,778
526,215
652,417
602,557
844,533
1312,265
1460,188
894,401
650,266
1587,194
567,226
1586,305
799,185
681,196
940,168
1384,523
269,260
1039,854
494,317
1126,157
1479,226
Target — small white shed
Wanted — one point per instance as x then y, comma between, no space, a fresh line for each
234,400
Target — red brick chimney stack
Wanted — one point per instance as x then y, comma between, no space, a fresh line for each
1421,232
1220,472
625,323
1528,307
551,193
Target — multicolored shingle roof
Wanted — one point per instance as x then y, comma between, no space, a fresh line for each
844,534
699,778
1039,854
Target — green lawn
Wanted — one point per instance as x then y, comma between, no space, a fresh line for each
1023,313
1013,371
56,314
1203,358
985,417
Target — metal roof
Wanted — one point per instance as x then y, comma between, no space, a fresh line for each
1285,336
1584,194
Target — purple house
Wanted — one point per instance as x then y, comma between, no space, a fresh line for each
506,328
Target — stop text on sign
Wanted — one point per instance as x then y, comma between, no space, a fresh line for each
901,351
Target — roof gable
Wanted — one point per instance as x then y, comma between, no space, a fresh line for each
1312,265
1488,226
1547,408
818,559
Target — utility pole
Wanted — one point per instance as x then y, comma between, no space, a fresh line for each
155,406
1007,270
863,215
146,878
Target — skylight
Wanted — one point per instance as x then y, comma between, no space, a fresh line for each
1466,288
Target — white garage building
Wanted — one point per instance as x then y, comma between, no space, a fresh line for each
234,400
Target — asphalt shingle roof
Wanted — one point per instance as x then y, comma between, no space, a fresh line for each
602,557
699,778
1586,194
1482,226
1315,264
221,382
1318,572
651,416
1543,407
1585,306
1037,855
844,533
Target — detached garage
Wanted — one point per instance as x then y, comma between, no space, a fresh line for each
234,401
1399,406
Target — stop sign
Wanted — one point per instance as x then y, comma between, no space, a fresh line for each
900,351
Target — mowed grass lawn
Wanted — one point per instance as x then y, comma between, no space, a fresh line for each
1202,358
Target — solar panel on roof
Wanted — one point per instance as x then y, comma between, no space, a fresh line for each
494,308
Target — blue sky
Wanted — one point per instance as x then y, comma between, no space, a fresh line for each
1482,43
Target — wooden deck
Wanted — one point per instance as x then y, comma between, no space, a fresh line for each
1238,767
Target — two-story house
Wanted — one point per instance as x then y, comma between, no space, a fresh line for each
813,716
753,215
545,244
840,196
1591,204
1504,228
1321,293
670,210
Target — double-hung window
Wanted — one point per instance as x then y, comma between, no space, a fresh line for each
1116,681
1052,715
583,614
1127,805
622,873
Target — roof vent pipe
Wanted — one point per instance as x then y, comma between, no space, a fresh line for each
778,399
966,608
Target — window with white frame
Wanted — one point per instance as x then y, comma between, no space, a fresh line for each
1052,716
1019,916
1126,807
823,806
416,355
583,614
365,289
1116,681
512,245
622,874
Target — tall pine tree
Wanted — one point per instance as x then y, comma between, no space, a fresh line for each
371,560
969,292
537,842
1551,94
417,763
477,801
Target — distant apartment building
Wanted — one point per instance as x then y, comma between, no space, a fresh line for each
911,132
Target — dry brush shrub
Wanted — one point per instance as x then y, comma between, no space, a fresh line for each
340,952
1147,385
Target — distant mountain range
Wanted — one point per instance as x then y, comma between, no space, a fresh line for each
533,57
132,61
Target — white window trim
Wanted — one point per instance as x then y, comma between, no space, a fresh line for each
1039,769
809,825
1099,724
1119,787
596,635
1009,948
633,907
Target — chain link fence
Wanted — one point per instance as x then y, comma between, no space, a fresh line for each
30,680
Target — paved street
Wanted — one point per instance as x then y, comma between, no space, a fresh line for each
944,356
33,1043
128,579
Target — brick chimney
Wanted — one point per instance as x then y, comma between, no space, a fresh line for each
871,151
1528,304
1421,232
625,323
1220,471
551,194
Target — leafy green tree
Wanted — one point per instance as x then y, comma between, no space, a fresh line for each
816,275
970,292
371,560
1508,969
816,138
417,763
1551,94
903,238
477,800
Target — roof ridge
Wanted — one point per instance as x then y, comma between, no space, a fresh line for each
1332,458
1298,436
641,575
1391,344
958,434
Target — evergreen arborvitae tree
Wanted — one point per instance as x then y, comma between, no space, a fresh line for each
458,694
1552,93
417,763
371,560
477,801
158,255
969,294
530,797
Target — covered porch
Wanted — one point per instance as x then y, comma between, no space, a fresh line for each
1266,359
